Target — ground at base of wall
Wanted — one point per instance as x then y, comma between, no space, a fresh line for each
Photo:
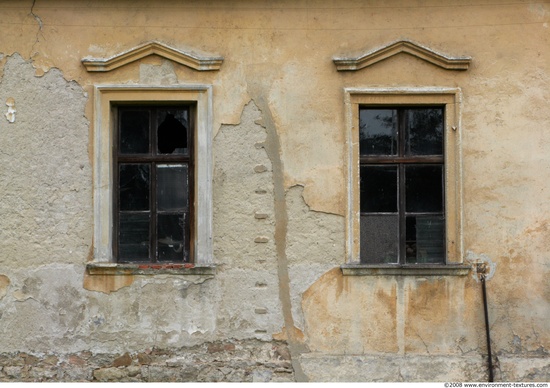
231,361
421,368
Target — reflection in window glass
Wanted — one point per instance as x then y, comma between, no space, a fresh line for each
378,132
378,189
134,180
133,237
424,188
424,132
172,187
172,244
134,132
425,239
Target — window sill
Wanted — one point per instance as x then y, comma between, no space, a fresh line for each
405,270
149,269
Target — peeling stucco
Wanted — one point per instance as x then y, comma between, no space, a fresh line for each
272,147
4,284
46,172
162,74
279,194
107,283
10,114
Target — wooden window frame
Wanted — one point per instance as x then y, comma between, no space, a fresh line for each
448,98
153,158
400,161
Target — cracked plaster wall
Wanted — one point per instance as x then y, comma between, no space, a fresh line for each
278,103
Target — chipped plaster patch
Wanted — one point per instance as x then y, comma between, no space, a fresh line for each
160,75
324,192
4,284
20,296
482,258
107,283
538,9
10,114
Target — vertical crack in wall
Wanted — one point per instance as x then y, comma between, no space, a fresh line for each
272,147
40,26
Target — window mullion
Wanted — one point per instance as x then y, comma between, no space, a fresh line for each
401,212
154,201
401,185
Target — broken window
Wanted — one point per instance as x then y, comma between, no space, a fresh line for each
154,180
402,175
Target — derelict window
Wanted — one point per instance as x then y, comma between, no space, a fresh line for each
153,176
402,180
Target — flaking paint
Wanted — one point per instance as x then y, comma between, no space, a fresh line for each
278,87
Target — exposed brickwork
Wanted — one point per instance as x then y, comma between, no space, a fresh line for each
231,361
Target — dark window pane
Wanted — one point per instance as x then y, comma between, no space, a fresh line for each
378,131
134,186
134,132
378,189
172,187
424,188
379,238
424,132
133,241
172,131
425,241
172,245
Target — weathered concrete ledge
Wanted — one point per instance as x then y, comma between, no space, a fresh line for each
405,270
149,269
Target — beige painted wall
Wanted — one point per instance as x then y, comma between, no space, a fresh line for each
277,86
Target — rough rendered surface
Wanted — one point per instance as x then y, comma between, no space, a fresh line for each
278,307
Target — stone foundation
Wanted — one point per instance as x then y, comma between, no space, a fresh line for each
232,361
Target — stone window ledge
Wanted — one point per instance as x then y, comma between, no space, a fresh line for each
149,269
405,270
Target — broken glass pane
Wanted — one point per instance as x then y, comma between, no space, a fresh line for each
133,242
172,131
424,132
379,239
378,189
425,239
424,188
378,132
171,237
134,132
134,186
172,187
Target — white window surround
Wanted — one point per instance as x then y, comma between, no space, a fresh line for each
451,99
105,97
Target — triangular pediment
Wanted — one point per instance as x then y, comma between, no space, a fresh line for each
402,46
192,59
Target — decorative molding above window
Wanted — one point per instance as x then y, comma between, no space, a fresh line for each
200,62
402,46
